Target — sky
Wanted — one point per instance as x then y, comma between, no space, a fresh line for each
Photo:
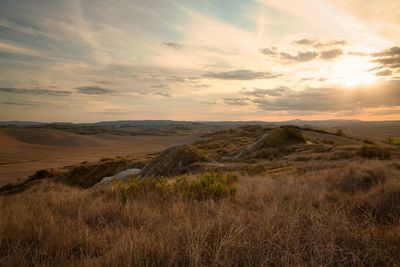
270,60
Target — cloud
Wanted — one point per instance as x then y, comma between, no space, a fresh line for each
161,86
358,54
20,104
306,79
318,44
173,45
381,95
331,54
210,102
18,50
236,101
388,58
103,82
241,75
384,73
94,90
374,12
393,51
331,43
164,94
36,91
269,51
300,57
389,62
265,92
304,42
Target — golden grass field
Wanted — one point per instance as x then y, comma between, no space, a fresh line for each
346,214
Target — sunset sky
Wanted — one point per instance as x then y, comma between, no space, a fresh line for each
271,60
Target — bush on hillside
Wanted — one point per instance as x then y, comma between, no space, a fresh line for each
211,185
369,151
382,204
356,178
287,135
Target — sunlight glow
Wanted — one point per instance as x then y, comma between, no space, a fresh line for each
353,71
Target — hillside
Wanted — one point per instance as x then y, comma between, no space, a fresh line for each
245,196
26,150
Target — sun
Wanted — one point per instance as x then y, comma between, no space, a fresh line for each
353,71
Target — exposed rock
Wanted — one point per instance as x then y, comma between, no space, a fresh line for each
122,176
89,174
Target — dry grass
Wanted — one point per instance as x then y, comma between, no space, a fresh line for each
303,219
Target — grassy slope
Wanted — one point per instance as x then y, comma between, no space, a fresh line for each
342,214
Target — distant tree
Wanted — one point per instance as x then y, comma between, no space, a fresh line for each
340,132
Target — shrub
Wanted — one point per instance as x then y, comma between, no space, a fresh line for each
211,185
367,151
152,185
394,141
340,132
368,142
356,178
289,135
381,204
269,153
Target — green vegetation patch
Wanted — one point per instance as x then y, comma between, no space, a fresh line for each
394,141
210,185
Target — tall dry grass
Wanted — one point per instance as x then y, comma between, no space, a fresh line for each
299,220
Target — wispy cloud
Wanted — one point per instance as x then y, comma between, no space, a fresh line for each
241,75
19,50
173,45
326,99
300,57
20,104
265,92
331,54
318,44
94,90
236,101
35,91
164,94
384,73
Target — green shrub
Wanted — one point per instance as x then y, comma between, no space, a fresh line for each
394,141
144,186
211,185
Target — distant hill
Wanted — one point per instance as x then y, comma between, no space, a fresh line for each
128,123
